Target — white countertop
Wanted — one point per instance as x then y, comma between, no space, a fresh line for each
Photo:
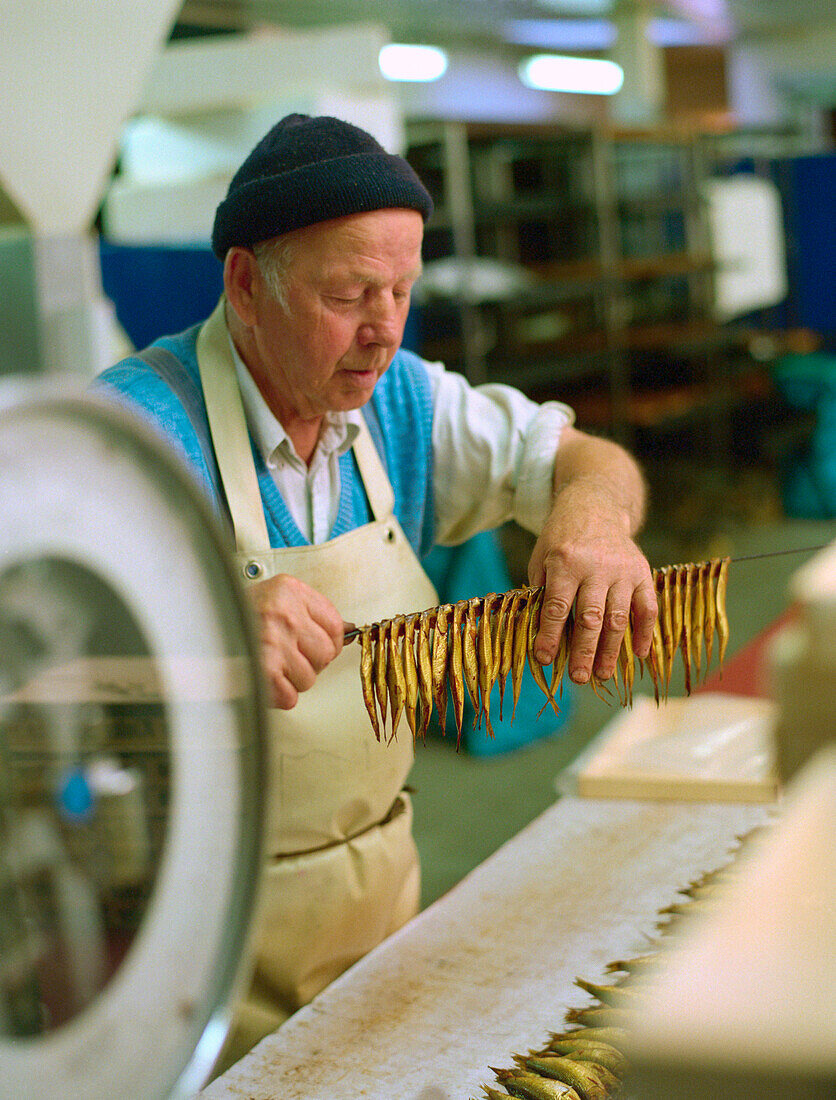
489,969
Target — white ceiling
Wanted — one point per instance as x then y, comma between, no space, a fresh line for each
798,35
446,22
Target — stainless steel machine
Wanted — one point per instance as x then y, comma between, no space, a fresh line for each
131,747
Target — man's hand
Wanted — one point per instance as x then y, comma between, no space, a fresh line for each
300,632
586,556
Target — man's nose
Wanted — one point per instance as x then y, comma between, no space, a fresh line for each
384,321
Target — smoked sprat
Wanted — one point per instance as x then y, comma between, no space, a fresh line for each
411,663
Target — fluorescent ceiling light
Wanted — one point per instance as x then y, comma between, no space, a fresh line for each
677,32
578,7
586,75
421,63
562,34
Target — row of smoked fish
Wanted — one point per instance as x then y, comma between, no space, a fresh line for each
410,663
586,1059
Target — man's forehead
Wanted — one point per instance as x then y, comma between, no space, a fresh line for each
362,228
350,244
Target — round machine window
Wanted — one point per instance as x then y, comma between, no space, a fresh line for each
84,790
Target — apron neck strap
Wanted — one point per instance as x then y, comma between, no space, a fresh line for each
228,426
373,475
231,439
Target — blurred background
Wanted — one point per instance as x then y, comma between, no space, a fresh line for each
634,214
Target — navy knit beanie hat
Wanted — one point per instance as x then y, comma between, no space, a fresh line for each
308,170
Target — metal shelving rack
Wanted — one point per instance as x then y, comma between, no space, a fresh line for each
609,228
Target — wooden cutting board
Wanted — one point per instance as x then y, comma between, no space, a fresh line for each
708,747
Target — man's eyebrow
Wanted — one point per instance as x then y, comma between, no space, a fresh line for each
372,279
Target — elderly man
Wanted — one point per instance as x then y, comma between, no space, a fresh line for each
338,460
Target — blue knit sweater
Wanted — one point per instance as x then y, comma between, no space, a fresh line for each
399,418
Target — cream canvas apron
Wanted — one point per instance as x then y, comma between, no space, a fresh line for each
341,868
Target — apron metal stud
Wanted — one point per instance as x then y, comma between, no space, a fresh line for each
389,534
253,569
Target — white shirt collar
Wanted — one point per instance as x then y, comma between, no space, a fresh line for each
338,432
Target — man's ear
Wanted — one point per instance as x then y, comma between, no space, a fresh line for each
241,283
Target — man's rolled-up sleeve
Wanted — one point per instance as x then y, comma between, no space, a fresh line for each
493,456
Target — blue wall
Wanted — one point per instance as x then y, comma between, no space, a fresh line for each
157,290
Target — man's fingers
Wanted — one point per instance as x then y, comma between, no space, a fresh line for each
291,670
284,695
616,618
307,646
325,616
554,612
318,645
589,621
645,610
301,633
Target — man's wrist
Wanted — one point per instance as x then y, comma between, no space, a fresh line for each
603,494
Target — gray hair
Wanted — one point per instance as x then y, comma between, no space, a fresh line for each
274,258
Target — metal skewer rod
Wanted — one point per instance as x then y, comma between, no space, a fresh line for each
779,553
355,631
